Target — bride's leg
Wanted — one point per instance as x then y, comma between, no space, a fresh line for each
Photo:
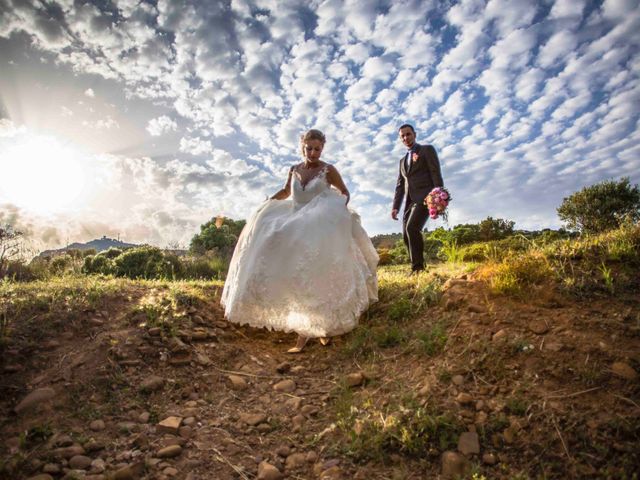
302,341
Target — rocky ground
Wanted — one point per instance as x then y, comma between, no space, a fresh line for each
143,387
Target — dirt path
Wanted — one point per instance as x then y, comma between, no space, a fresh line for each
475,384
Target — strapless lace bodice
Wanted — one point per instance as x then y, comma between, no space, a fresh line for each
304,194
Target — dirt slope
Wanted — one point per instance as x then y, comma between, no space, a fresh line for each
545,387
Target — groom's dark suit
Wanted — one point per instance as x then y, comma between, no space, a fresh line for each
414,184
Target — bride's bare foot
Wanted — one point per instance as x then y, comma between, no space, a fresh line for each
302,341
325,341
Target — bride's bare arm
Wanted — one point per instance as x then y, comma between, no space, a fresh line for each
334,178
285,191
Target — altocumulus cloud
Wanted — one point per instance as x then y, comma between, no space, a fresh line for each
517,96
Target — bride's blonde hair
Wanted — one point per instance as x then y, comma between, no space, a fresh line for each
312,134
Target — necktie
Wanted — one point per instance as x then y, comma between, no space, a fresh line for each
407,161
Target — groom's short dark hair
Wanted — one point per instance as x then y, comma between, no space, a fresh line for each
407,125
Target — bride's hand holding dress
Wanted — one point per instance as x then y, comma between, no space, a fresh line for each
303,262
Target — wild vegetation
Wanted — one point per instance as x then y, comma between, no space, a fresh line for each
494,364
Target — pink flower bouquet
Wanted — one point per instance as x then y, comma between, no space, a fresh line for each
437,201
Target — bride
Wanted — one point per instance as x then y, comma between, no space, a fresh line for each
303,264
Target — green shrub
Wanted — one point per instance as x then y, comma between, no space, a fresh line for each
143,262
19,271
451,252
98,264
431,248
111,253
495,229
601,207
385,257
217,235
204,268
62,264
399,253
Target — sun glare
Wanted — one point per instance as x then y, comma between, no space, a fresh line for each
41,174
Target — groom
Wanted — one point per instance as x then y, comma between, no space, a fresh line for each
419,174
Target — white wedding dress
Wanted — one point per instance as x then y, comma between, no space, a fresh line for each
304,264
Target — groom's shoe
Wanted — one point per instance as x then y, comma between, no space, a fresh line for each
416,272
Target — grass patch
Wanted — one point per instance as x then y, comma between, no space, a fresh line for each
607,263
370,433
35,436
392,336
432,341
517,405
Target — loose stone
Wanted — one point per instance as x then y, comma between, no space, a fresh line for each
169,425
355,379
489,458
285,386
238,382
464,398
97,425
295,460
144,417
453,465
35,398
80,462
169,452
266,471
51,468
538,326
624,370
152,383
284,367
98,466
468,443
63,441
68,452
499,335
253,419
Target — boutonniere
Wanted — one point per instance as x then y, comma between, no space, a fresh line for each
414,157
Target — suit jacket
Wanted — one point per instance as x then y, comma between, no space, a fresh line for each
422,177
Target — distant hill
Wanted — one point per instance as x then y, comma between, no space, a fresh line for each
99,244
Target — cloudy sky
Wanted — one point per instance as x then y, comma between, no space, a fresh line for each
144,119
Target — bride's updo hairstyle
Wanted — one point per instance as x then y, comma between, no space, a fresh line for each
312,134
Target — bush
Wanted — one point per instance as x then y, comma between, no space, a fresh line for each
98,264
61,264
490,229
399,253
385,258
19,271
111,253
601,207
204,268
143,262
218,235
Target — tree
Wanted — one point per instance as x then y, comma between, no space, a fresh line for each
497,229
10,243
601,207
218,234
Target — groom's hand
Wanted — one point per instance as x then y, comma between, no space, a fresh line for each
394,214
